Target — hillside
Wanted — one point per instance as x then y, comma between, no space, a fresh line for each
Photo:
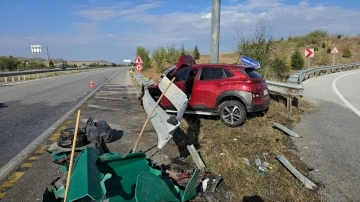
285,48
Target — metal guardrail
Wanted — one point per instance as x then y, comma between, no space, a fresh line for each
285,89
21,75
300,76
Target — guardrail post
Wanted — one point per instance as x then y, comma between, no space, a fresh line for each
24,77
288,105
37,75
18,78
12,79
5,79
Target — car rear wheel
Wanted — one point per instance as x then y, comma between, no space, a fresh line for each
232,113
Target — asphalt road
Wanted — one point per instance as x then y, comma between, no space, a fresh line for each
115,102
331,135
29,108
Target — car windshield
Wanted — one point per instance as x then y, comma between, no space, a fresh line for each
169,69
252,73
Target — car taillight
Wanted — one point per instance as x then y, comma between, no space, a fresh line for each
256,96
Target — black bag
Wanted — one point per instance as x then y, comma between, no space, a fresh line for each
95,129
67,135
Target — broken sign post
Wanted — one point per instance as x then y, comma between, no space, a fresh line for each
150,114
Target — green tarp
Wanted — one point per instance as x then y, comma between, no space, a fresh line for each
116,178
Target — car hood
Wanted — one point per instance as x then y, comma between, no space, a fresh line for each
184,59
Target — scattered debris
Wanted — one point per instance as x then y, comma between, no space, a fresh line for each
286,130
247,162
195,156
222,154
204,184
308,184
235,139
259,165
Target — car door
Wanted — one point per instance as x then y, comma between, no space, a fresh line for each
181,75
209,83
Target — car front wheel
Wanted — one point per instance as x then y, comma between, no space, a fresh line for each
232,113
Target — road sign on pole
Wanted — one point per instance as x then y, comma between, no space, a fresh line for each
334,51
309,53
138,60
139,67
35,48
250,62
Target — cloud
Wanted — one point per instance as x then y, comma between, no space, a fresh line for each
144,24
87,27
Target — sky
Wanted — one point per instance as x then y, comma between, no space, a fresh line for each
112,29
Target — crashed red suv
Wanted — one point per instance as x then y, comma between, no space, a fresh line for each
225,90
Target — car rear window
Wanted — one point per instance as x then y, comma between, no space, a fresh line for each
252,73
212,74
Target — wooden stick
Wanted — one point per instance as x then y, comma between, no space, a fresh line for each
72,155
152,111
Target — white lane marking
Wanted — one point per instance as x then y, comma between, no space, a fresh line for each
342,97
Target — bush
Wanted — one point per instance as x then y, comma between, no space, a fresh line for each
318,34
339,36
159,56
144,54
280,68
347,52
323,45
9,63
316,49
257,46
196,53
297,61
51,63
182,50
328,50
172,54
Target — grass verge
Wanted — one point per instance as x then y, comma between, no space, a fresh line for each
224,149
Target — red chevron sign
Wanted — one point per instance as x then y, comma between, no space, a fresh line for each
309,52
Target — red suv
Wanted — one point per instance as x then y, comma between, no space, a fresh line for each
228,91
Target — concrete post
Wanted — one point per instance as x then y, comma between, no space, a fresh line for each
215,31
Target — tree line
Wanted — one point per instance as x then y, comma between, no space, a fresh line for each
162,57
13,64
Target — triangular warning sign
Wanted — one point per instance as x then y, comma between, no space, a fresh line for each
138,60
334,51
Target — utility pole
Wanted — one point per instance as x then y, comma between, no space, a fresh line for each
47,52
215,31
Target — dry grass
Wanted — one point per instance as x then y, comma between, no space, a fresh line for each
152,74
255,137
229,58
